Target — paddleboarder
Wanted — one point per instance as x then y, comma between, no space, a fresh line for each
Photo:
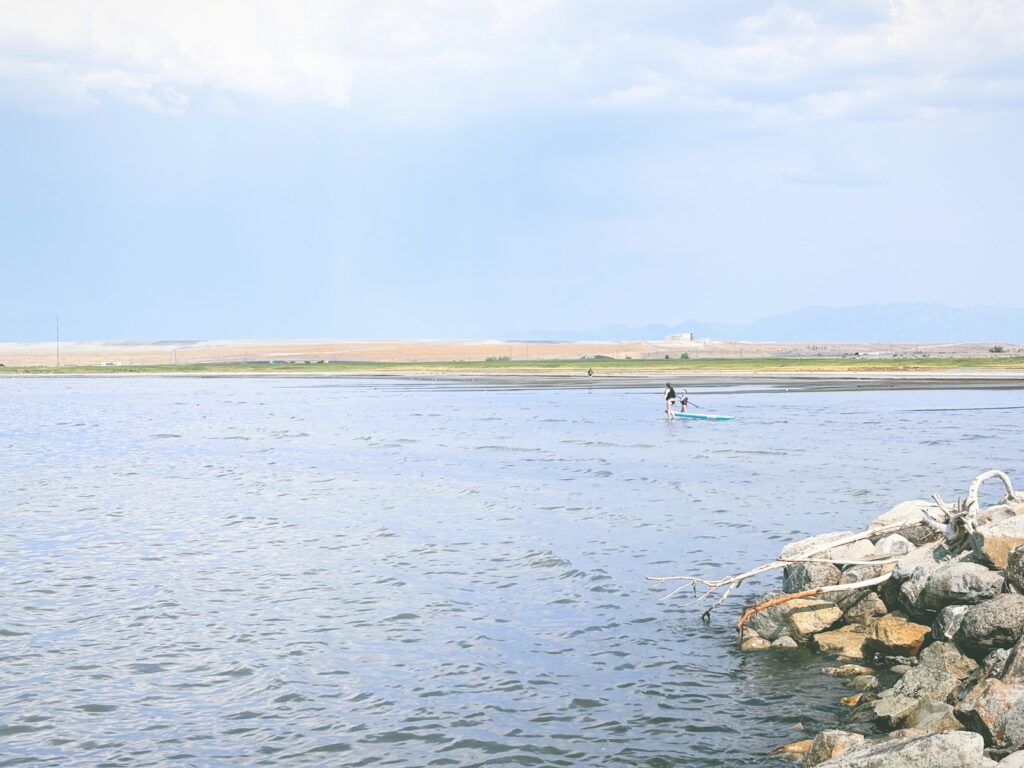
684,400
670,399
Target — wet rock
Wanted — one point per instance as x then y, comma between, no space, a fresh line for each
847,642
951,749
996,540
900,669
865,683
785,642
896,636
795,750
798,577
933,717
867,609
753,642
830,744
948,622
848,670
995,623
1015,569
959,583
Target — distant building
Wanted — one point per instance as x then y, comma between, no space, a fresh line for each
684,336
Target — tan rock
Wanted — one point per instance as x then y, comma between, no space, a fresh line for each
796,749
752,642
996,540
829,744
846,641
810,616
895,636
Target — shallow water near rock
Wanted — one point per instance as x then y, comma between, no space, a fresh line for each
285,572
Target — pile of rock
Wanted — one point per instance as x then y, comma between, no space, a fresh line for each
933,652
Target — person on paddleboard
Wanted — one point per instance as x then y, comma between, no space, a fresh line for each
684,400
670,398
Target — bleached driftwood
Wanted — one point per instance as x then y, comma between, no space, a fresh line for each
729,583
956,522
964,516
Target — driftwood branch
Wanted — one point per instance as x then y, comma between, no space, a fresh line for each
864,584
956,522
712,586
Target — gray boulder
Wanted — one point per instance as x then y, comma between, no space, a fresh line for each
893,545
945,656
865,609
940,669
948,622
959,583
797,577
933,717
895,705
995,623
1015,569
996,711
910,576
952,749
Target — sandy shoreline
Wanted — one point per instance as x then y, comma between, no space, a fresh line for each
190,352
696,380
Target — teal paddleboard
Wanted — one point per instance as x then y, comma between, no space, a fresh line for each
702,416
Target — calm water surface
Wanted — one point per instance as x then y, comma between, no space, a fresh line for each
292,572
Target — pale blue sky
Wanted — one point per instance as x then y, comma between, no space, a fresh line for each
478,169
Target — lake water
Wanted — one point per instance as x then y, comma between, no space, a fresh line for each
293,572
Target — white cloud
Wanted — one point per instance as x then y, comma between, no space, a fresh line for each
810,59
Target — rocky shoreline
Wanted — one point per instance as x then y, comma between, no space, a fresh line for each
928,635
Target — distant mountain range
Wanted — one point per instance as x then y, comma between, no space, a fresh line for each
872,323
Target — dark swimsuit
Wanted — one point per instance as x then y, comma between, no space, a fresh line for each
670,395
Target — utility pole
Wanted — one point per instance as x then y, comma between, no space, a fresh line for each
58,340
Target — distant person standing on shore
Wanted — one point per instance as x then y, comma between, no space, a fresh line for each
670,398
590,373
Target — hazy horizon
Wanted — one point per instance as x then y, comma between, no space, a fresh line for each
486,170
870,324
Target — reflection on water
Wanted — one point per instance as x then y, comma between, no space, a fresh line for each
219,572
